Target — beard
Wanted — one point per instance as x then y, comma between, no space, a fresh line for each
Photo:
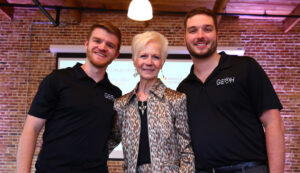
202,55
95,63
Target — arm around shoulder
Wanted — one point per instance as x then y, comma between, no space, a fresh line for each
27,142
274,131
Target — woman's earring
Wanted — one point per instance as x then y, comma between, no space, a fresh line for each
163,76
135,73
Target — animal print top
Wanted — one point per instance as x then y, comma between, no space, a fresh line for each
168,131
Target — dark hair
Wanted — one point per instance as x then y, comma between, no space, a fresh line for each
109,27
201,10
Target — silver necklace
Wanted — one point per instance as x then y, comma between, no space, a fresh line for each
143,107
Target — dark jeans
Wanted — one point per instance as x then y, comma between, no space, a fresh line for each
245,167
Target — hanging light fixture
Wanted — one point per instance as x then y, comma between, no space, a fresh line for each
140,10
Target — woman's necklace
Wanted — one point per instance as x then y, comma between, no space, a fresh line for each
143,107
142,95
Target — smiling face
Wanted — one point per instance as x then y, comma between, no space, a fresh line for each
101,48
201,36
149,61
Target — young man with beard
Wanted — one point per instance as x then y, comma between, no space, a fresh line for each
230,103
76,107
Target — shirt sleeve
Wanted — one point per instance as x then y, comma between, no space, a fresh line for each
115,137
261,92
44,102
183,136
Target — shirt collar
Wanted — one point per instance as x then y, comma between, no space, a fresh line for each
158,90
225,62
80,74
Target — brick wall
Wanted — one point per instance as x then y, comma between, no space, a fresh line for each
25,59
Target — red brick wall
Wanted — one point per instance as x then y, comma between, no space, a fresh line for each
25,59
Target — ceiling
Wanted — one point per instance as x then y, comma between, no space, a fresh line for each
254,9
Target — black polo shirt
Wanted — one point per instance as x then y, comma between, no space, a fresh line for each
224,112
79,115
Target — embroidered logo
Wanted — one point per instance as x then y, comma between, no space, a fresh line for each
109,96
225,81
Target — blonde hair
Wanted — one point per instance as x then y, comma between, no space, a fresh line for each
140,41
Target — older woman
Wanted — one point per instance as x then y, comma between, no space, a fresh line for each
152,119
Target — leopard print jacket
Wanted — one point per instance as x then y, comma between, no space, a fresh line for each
168,131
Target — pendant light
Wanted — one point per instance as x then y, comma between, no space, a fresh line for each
140,10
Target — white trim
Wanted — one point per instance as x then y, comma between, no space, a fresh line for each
55,48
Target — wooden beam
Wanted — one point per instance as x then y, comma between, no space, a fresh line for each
8,12
289,23
219,7
75,13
